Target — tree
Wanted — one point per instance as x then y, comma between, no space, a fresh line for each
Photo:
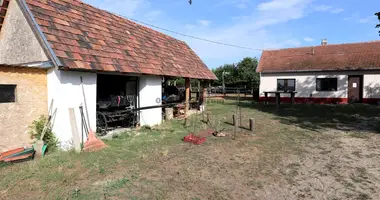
247,71
242,73
378,15
228,79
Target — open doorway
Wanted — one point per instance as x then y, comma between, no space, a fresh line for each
117,99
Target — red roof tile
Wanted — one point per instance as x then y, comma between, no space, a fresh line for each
356,56
84,37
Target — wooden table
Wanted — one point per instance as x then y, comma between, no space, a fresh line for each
278,96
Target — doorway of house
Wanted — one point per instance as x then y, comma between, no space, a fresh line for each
355,89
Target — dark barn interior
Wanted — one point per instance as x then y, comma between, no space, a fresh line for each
116,100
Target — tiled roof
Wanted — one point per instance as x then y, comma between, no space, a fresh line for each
87,38
355,56
3,11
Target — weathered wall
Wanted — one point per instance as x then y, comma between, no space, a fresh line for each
65,88
371,84
18,44
150,90
306,84
31,101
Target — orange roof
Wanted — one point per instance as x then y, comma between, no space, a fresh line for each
87,38
355,56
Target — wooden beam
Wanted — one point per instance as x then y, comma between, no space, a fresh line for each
187,95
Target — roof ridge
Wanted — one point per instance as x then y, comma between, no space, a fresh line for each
353,43
326,54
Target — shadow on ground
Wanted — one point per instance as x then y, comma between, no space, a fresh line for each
351,117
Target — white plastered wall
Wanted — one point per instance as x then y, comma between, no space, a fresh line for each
65,88
371,84
18,44
150,93
305,84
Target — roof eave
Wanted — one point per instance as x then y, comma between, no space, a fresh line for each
321,70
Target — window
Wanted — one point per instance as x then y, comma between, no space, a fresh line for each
7,93
286,84
327,84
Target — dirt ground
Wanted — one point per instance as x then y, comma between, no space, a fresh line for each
291,155
343,168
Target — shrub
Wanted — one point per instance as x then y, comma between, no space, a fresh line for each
36,131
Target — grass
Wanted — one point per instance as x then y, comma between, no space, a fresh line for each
153,162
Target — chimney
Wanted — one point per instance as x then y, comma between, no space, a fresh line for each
324,42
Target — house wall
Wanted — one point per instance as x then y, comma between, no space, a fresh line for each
31,101
371,90
65,88
306,85
18,43
150,94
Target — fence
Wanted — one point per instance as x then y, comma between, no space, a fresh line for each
252,92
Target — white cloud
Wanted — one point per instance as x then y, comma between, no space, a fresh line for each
326,8
189,26
367,20
251,30
280,4
337,10
309,39
352,17
323,8
152,15
204,22
241,5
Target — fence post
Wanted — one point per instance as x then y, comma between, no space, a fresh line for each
252,124
209,118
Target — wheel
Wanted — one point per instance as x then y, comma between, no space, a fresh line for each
101,124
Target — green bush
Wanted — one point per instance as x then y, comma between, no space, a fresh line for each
36,130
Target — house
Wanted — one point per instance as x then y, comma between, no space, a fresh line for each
46,46
336,73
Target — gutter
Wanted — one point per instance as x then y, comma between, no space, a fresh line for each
42,65
38,32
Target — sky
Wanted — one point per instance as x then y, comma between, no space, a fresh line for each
257,24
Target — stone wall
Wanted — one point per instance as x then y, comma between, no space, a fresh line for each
31,102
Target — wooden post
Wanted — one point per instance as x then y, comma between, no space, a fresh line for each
209,118
278,99
252,124
235,124
168,113
74,130
204,98
187,96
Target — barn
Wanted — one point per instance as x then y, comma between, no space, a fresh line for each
49,49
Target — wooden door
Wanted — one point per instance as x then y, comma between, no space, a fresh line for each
354,89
